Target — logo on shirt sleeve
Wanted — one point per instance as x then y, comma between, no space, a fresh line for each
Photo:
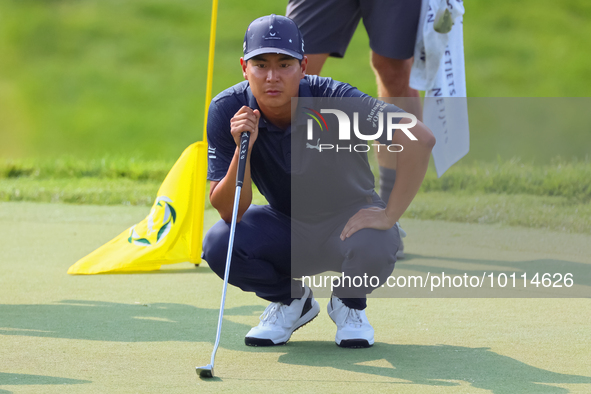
211,152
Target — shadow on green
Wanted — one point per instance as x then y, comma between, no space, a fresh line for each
107,321
23,379
440,365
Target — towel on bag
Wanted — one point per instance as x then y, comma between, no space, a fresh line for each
439,70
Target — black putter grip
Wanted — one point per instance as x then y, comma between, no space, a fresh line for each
244,139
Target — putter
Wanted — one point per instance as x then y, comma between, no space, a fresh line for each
207,371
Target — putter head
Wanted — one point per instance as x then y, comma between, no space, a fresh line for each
205,372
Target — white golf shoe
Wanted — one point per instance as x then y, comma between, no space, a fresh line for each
279,321
353,329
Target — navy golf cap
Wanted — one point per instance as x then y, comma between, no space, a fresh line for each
273,34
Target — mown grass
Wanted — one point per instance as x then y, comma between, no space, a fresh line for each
556,196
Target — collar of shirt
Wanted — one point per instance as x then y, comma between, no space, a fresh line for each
304,91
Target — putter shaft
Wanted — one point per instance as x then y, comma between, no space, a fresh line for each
207,371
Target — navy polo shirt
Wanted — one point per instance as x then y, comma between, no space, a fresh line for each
271,161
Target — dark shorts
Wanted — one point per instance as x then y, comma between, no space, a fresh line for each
328,25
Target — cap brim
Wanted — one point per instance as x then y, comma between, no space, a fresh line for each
262,51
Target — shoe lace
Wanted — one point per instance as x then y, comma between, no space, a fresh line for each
354,318
271,313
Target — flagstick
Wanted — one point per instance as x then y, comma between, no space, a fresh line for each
201,154
214,17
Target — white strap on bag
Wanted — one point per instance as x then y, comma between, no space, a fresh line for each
438,26
439,70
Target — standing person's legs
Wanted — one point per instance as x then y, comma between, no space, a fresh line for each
392,28
315,63
327,27
392,78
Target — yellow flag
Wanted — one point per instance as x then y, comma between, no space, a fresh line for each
171,233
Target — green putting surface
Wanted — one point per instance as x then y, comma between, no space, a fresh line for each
133,333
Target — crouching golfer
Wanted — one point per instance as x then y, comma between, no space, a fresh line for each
276,243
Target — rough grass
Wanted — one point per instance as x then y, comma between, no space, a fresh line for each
570,180
556,196
71,167
561,178
555,213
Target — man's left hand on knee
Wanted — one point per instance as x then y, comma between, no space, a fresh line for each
373,217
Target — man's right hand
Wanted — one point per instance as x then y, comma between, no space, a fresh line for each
246,119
